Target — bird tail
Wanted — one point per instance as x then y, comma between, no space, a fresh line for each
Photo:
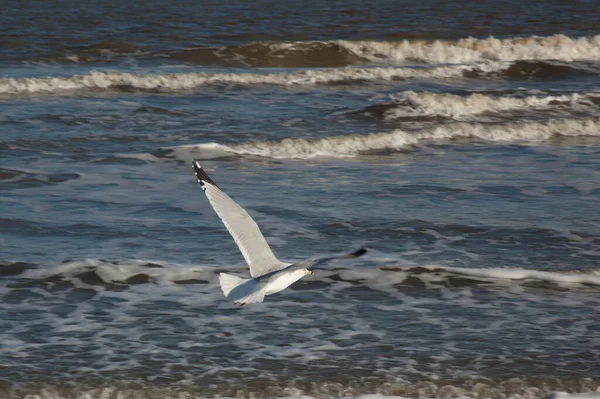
229,282
241,290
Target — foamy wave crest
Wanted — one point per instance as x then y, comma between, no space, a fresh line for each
339,53
343,52
353,145
411,104
184,81
97,274
436,274
557,47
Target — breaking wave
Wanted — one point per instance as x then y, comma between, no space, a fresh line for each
556,47
345,53
381,143
102,274
125,82
120,81
411,104
99,81
338,53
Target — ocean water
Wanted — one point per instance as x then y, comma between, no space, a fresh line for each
459,143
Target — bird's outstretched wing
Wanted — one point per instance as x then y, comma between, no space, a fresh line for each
241,226
316,262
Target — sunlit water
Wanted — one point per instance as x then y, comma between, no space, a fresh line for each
469,167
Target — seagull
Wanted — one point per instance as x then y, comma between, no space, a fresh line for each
269,274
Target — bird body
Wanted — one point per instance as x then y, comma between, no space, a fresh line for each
269,274
244,290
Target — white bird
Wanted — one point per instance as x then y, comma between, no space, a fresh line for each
269,275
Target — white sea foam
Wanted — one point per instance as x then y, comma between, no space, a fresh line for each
388,279
353,145
110,392
519,274
189,334
110,272
582,395
454,106
166,273
202,151
185,81
557,47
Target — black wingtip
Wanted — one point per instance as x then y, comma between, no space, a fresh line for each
355,254
201,174
359,252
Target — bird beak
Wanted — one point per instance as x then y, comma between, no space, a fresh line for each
309,272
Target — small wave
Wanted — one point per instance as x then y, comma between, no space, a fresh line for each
13,179
100,274
475,276
101,52
381,143
14,268
396,278
120,81
410,104
345,52
97,274
9,174
338,53
544,70
126,82
556,47
274,55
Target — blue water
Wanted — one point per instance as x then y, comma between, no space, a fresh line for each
467,165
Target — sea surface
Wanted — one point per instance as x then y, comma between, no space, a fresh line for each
459,142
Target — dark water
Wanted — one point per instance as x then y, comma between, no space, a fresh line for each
458,142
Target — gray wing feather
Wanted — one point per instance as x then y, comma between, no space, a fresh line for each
315,262
241,226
